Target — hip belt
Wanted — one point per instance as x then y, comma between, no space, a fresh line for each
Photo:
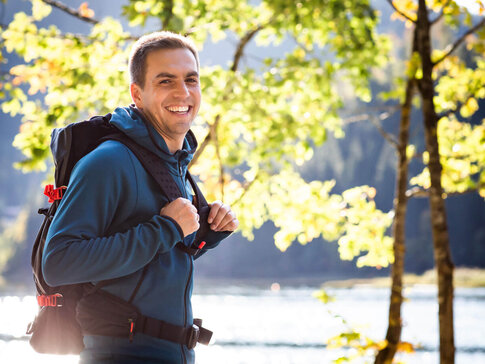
101,313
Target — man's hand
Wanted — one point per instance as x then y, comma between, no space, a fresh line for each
182,211
221,217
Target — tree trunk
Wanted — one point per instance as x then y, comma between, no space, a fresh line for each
393,336
442,253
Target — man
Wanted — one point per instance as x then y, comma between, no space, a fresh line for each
113,219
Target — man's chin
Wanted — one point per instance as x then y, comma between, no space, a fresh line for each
182,128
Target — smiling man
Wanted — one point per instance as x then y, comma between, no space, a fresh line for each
114,224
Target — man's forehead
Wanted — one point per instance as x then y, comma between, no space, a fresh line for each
171,60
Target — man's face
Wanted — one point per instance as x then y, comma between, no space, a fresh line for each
171,96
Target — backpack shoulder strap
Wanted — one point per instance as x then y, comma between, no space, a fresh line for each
151,163
203,209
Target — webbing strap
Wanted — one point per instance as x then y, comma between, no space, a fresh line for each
188,336
151,163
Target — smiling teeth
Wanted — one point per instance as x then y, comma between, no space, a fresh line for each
178,108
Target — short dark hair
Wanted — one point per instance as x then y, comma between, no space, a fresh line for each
152,42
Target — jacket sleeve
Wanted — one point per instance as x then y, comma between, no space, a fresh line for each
78,248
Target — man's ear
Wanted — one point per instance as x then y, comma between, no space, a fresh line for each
135,92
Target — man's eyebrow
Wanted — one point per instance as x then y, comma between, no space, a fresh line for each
165,75
192,74
170,75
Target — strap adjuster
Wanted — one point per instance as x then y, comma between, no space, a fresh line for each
53,300
193,336
54,194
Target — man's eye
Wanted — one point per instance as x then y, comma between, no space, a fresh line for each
191,80
164,82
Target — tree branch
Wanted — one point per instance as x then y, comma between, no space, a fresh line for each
218,154
400,12
235,64
375,121
421,192
454,110
246,188
440,15
202,146
242,44
417,192
451,48
70,11
388,136
386,111
168,11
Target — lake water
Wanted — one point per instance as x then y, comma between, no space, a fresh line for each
260,325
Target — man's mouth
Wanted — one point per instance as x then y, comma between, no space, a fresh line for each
179,109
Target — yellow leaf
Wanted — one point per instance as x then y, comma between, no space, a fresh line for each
17,81
410,151
382,344
85,11
405,346
40,9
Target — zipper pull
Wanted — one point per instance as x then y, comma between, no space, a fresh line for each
132,329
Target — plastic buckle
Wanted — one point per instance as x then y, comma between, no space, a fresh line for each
193,338
54,193
54,300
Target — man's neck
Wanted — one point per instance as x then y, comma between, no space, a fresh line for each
173,144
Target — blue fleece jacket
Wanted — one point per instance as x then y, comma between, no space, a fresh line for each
108,226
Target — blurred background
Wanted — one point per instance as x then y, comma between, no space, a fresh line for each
259,295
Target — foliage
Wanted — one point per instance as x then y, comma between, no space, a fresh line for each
257,123
359,345
11,236
462,151
459,87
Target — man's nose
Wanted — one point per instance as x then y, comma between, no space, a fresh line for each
181,90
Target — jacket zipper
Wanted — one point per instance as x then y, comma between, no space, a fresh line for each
184,193
191,266
185,298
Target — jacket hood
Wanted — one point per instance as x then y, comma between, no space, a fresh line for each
131,122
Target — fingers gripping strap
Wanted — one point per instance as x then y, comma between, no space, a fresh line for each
152,164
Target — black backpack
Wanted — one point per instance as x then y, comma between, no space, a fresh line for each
55,329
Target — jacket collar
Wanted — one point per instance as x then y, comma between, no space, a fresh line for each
131,121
